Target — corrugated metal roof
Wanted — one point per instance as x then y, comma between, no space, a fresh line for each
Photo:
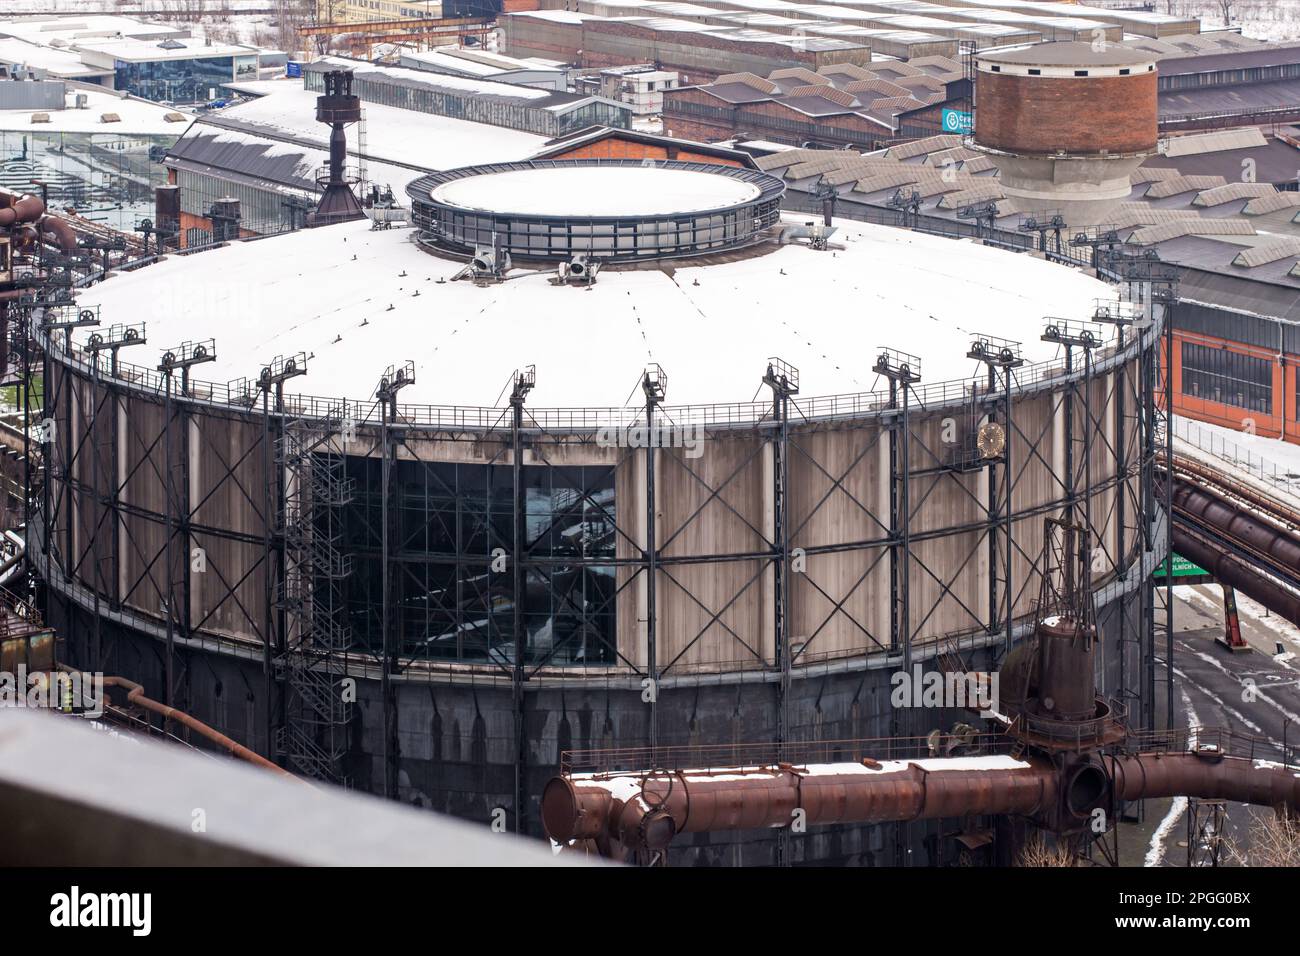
1231,192
888,179
878,86
943,64
1183,184
852,173
938,185
747,79
1131,214
798,73
927,145
982,190
922,82
895,104
1151,174
1216,141
1262,205
826,92
953,155
1163,232
978,164
1269,252
836,160
896,67
789,157
846,71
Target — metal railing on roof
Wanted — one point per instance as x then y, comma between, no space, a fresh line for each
718,416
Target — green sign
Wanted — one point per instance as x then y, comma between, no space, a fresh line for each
1182,568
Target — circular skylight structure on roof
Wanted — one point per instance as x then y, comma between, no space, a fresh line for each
616,191
616,210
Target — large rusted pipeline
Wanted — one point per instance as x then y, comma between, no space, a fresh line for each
62,231
1230,521
26,209
1238,573
622,808
1208,776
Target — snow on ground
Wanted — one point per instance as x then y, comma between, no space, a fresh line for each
1260,19
1271,463
359,301
1156,850
1212,603
584,191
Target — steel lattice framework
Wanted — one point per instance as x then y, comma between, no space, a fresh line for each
938,491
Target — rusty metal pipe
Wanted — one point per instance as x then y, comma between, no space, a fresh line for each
1210,776
648,810
1232,570
135,695
1233,522
62,232
27,209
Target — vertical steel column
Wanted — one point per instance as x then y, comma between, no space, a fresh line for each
1004,354
654,384
1121,505
991,517
1009,594
905,534
1169,501
115,497
96,647
783,379
895,582
392,382
182,359
63,435
1147,664
1071,491
270,484
902,371
47,456
1090,432
386,599
168,558
522,385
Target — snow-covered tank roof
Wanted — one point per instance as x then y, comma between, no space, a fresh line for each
594,191
358,300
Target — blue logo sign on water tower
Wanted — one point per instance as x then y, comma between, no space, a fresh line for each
956,121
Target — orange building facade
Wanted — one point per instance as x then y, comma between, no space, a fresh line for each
1251,389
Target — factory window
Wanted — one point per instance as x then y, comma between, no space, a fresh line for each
107,177
174,81
1230,378
449,524
1034,72
1124,72
1080,72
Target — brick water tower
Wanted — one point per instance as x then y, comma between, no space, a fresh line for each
1067,123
